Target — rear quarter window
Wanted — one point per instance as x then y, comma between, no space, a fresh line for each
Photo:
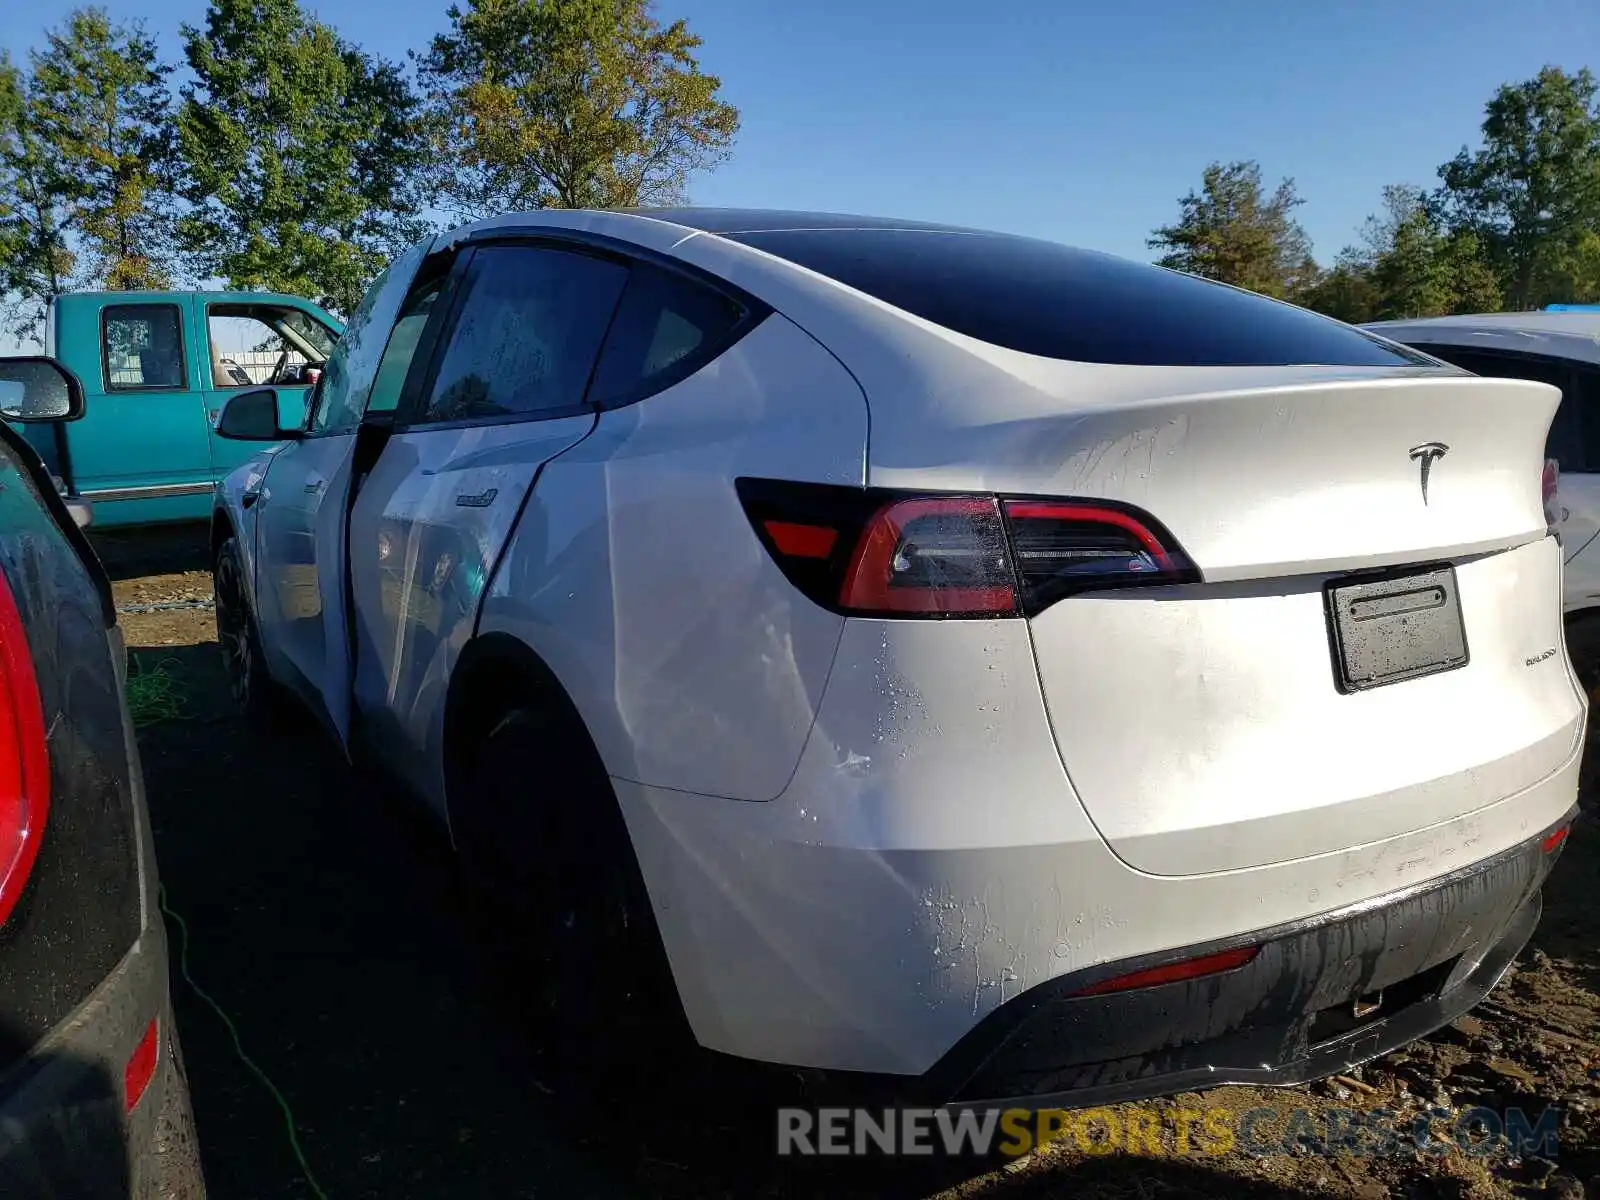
1043,298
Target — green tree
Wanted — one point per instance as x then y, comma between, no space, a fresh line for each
36,262
1344,291
1233,231
105,111
1408,268
570,104
1408,265
300,154
1531,194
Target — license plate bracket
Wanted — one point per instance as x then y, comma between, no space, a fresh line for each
1395,627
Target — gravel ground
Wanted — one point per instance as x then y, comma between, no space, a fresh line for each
325,918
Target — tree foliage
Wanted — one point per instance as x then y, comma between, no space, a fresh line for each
571,104
36,261
105,112
1233,231
300,154
1531,194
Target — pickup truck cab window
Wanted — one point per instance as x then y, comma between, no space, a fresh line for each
141,347
260,345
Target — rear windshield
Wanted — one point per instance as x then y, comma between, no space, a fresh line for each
1047,299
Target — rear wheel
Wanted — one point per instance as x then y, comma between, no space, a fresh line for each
538,827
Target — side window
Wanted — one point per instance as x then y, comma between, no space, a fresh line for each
341,395
402,348
664,320
253,345
336,405
1576,424
142,345
526,335
1583,398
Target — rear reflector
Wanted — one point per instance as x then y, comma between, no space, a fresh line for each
877,552
1193,968
1552,841
802,541
24,760
141,1067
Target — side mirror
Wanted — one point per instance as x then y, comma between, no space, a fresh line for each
38,389
253,417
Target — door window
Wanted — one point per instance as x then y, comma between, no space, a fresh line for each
142,345
402,347
351,369
1583,398
1575,431
256,345
526,335
662,330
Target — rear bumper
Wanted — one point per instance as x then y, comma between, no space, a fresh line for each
65,1131
915,881
1424,956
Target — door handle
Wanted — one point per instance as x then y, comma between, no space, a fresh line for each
478,500
316,485
248,499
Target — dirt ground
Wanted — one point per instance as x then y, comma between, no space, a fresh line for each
326,920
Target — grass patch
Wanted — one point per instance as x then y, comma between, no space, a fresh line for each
155,693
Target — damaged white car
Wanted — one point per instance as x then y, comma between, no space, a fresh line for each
891,648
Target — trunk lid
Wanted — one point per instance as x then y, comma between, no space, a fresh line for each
1214,726
1274,478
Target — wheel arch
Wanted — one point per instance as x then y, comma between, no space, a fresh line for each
221,529
495,673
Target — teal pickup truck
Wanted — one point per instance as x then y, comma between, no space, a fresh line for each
156,369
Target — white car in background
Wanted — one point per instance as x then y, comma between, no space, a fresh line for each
944,655
1563,350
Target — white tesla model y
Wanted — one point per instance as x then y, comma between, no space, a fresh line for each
947,655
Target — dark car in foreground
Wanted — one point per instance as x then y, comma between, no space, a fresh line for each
93,1101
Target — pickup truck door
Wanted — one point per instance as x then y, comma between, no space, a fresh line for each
303,507
501,392
143,450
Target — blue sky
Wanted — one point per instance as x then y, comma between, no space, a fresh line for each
1082,123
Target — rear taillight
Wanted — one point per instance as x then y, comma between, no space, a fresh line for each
24,761
1548,486
874,552
932,556
1063,547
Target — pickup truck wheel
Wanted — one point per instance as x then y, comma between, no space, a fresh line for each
239,639
547,840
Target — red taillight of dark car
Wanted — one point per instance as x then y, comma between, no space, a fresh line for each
24,760
873,552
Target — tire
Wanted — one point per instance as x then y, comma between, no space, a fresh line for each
239,640
557,861
1583,648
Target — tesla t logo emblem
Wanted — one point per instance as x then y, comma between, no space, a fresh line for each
1427,454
